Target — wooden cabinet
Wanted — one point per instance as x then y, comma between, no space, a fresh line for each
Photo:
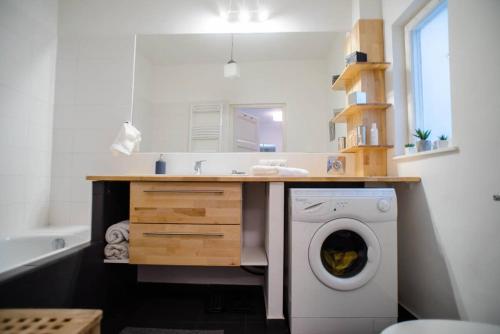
185,203
185,244
185,223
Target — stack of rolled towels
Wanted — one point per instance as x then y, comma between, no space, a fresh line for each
117,241
263,170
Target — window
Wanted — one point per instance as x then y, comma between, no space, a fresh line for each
428,69
258,128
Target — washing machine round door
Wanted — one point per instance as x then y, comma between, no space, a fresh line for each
344,254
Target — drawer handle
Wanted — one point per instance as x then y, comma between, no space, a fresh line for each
186,191
177,234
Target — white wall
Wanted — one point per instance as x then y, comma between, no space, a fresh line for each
198,16
93,81
143,101
93,89
28,44
449,225
336,99
301,85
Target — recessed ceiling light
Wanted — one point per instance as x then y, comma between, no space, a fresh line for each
224,15
263,14
244,15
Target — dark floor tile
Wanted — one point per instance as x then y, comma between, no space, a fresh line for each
267,327
228,327
404,314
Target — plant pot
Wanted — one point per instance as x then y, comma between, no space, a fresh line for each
441,144
424,145
410,150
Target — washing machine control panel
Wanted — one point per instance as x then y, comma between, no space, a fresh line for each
313,209
374,206
340,204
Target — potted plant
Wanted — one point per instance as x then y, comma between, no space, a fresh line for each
423,144
442,142
409,148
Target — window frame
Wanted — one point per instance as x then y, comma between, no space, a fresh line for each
414,94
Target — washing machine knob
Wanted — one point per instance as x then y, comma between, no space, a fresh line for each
384,205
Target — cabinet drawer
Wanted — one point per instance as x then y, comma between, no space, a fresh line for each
185,203
190,245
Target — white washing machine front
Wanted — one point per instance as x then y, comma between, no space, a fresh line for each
344,254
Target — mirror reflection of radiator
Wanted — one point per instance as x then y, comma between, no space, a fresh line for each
205,128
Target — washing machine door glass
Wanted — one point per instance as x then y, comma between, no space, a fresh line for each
344,254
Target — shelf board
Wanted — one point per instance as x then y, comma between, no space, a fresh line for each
115,261
355,108
424,154
253,256
359,148
352,70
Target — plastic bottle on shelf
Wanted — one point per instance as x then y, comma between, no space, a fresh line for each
374,134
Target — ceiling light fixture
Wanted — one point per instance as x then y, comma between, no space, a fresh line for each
244,13
263,14
231,69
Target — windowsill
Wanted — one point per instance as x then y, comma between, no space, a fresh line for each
426,154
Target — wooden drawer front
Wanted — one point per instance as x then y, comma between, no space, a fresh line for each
189,245
185,203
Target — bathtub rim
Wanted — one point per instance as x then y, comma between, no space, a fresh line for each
32,264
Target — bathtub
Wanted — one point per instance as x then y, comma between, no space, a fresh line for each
26,251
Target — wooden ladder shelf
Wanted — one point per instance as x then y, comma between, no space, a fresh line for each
369,77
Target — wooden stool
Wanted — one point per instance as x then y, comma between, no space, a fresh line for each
50,321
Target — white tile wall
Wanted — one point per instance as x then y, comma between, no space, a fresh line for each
28,46
93,89
92,100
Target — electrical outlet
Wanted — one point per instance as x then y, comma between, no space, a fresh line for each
335,165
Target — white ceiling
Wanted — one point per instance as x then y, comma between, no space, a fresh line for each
215,48
197,16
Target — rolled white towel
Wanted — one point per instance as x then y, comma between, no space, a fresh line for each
272,162
117,233
259,170
290,171
116,251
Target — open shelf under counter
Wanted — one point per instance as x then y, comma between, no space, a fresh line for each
253,256
116,261
358,148
352,70
355,108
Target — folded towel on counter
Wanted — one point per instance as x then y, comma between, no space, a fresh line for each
116,251
262,170
259,170
117,233
290,171
272,162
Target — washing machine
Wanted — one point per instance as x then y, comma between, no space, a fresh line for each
342,260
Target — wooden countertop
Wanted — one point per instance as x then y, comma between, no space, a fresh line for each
250,178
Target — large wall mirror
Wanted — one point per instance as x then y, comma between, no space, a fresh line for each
187,100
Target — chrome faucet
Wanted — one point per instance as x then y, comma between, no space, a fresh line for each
197,167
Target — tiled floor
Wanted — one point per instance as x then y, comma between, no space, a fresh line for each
185,307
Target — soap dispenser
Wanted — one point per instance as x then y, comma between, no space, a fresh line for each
160,166
374,134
